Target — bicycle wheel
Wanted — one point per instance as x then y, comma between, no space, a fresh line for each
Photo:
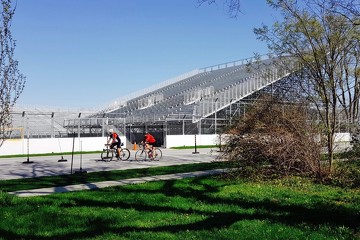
124,154
107,155
158,154
140,155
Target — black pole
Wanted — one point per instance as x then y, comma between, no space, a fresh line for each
81,170
62,157
28,155
196,152
72,153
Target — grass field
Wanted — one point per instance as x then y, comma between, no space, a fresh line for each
194,208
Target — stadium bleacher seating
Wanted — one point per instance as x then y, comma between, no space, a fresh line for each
213,88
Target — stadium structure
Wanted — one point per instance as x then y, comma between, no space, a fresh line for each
202,101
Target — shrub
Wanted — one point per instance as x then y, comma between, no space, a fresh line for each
345,174
5,199
275,139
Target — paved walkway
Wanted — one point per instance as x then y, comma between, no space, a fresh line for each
12,168
89,186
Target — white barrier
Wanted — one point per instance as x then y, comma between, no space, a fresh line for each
53,145
189,140
342,137
213,139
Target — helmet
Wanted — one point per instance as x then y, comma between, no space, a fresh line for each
111,130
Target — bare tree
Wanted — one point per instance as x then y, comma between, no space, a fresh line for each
325,44
347,7
323,37
233,6
275,137
11,80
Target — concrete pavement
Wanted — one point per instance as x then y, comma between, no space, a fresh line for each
12,168
97,185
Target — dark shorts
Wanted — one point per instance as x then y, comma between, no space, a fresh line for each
115,144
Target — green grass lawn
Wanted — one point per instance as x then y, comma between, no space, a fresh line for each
194,208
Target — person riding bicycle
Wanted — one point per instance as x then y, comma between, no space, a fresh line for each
149,141
114,140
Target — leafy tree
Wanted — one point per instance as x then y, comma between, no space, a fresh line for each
11,80
322,36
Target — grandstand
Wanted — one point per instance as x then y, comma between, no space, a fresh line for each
44,122
198,102
195,97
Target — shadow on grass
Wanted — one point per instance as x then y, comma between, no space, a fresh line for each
321,213
198,191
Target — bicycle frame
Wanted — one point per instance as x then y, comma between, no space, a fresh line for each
151,154
108,153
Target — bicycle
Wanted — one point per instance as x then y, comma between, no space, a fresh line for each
108,153
143,154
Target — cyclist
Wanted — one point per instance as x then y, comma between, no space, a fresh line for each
149,141
114,140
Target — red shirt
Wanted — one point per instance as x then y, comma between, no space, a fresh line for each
149,138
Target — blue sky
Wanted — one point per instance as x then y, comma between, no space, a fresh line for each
87,53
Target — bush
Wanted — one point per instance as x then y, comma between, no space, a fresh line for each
345,174
275,139
6,199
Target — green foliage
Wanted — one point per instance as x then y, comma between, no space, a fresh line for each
322,37
345,174
5,199
355,151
